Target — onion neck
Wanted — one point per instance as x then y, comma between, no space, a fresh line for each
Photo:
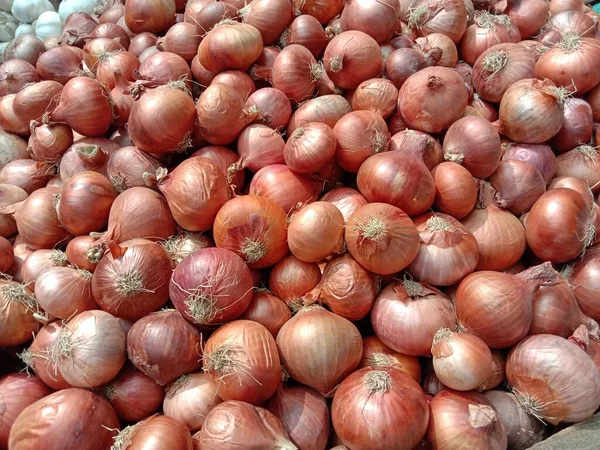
91,155
581,337
537,276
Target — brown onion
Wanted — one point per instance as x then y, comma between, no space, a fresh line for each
151,341
290,279
126,168
60,64
64,292
420,144
296,73
577,126
315,339
209,15
404,62
41,261
497,307
112,31
7,255
258,146
270,17
406,315
487,31
377,95
580,163
49,142
310,148
162,68
518,186
77,250
182,40
87,154
59,417
347,200
553,379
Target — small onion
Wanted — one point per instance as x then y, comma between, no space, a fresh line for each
455,190
378,95
258,146
109,64
296,73
461,361
553,379
26,47
267,310
465,419
406,316
162,68
314,340
327,109
141,42
290,279
211,286
486,31
49,142
238,80
151,341
347,200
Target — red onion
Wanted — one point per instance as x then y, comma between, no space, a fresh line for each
347,200
141,42
238,80
537,155
273,107
95,47
267,310
182,40
112,31
465,419
20,313
163,68
126,168
378,355
577,126
86,154
55,422
580,163
310,148
260,71
290,279
153,16
448,17
296,73
497,307
49,142
270,17
324,12
76,27
404,62
518,186
27,174
327,109
156,432
582,280
306,30
15,74
406,315
41,261
124,63
315,339
230,45
553,379
7,255
379,19
455,190
58,283
77,250
60,64
527,15
35,99
432,99
560,225
151,341
258,146
211,14
26,47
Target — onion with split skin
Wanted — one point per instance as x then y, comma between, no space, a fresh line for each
86,154
465,419
382,238
377,355
553,379
448,251
314,339
242,362
498,307
421,144
407,314
211,286
290,279
49,142
346,288
359,401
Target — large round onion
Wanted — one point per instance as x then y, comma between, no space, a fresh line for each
554,379
406,316
382,238
327,109
152,16
211,286
358,409
151,343
319,348
71,418
134,280
433,99
242,362
35,99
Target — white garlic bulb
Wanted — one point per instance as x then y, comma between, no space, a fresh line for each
48,25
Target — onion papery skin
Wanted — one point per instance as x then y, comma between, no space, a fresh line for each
163,68
406,315
351,58
359,401
151,341
95,47
485,32
37,221
295,73
291,278
559,226
217,127
126,168
554,379
284,187
75,417
375,235
251,427
76,251
310,148
64,292
474,143
518,186
34,99
486,109
86,154
420,144
221,48
568,63
7,255
500,235
316,232
154,433
133,395
398,179
203,181
377,355
242,362
85,106
78,193
577,128
253,227
465,419
346,288
498,67
327,109
133,282
211,286
184,244
130,218
498,307
269,17
523,430
238,80
39,262
190,398
153,111
36,356
304,413
448,17
424,99
90,349
259,146
359,135
182,40
582,278
539,156
461,361
125,63
49,142
268,310
273,106
12,148
315,338
17,392
580,163
112,31
455,190
154,17
448,251
525,100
